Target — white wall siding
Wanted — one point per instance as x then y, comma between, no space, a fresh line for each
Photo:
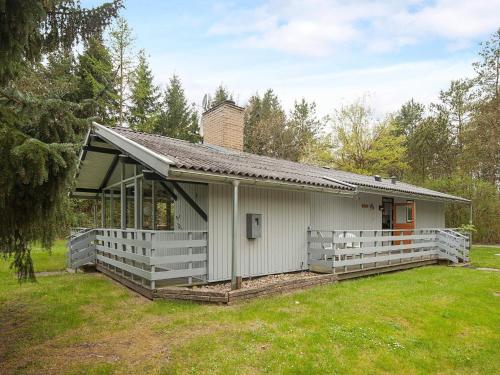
287,226
282,247
285,218
330,212
429,214
185,217
219,232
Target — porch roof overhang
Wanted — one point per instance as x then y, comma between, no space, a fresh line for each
100,154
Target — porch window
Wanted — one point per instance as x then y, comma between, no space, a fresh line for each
129,206
164,209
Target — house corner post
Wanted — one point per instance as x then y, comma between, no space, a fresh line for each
234,248
123,197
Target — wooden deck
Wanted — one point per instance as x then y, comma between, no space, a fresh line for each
235,296
167,264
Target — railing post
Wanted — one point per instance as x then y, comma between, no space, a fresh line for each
375,245
345,247
361,255
333,251
153,267
190,253
205,237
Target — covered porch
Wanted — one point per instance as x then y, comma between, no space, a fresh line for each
148,230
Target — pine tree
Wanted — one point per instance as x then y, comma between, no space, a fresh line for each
96,84
220,95
177,119
39,132
264,121
121,43
144,98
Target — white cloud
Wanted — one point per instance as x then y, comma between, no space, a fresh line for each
319,27
388,86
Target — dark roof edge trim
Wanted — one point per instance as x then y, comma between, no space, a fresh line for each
184,175
403,194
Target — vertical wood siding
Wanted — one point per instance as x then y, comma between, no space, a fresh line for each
329,212
185,217
285,218
429,214
282,247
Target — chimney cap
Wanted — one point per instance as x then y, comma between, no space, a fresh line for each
393,179
377,178
225,102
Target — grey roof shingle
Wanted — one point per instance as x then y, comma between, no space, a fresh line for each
214,159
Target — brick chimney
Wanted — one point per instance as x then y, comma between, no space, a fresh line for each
223,126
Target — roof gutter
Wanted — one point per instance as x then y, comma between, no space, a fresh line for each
401,194
186,175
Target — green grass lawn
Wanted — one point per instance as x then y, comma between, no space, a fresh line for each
53,260
429,320
485,256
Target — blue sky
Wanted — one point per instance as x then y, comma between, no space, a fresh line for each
330,52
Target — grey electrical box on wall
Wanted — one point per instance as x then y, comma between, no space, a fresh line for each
254,226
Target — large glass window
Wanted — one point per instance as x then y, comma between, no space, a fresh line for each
164,208
130,206
115,208
147,204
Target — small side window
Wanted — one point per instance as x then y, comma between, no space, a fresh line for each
409,212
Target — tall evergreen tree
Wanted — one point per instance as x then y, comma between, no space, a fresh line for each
304,126
96,86
144,96
177,119
39,132
220,95
269,131
121,43
263,116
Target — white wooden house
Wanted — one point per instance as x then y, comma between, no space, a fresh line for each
177,212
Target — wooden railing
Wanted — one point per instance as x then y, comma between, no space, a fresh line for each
81,248
347,250
152,258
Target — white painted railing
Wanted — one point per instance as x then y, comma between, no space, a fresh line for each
149,258
81,248
347,250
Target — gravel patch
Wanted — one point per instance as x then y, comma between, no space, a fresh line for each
257,282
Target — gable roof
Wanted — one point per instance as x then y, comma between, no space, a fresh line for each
164,153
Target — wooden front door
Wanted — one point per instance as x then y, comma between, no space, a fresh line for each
403,219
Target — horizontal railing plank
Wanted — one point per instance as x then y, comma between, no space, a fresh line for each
125,241
173,274
158,260
126,267
378,249
174,244
383,258
125,254
82,262
372,249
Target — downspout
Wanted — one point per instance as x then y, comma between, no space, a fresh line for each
234,247
470,213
